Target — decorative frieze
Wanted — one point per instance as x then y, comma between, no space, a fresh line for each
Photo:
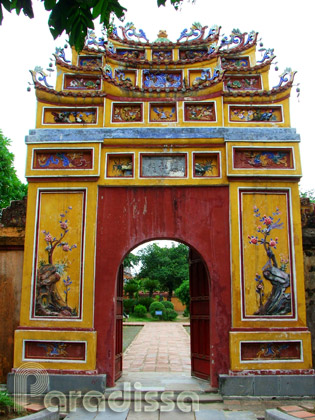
130,53
162,55
190,54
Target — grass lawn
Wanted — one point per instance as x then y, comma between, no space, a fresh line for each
129,334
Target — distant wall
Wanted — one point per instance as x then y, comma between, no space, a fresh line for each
12,230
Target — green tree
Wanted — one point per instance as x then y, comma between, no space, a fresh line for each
150,285
74,17
169,266
183,293
131,287
11,188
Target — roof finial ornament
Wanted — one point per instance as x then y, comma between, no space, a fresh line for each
162,36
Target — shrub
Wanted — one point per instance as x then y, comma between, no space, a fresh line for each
145,301
140,311
167,304
129,305
156,306
183,293
169,314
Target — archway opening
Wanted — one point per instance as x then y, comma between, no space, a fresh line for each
163,287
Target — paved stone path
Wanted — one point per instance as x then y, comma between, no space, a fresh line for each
159,347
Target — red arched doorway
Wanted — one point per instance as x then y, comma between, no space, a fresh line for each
199,282
196,216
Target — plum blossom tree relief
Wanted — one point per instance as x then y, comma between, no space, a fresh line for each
278,302
49,302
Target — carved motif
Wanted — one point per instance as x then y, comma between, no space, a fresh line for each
199,112
197,31
119,166
127,113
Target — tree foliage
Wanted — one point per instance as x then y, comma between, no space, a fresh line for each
11,188
74,17
131,260
169,266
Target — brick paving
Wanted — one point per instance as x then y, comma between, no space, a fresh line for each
159,347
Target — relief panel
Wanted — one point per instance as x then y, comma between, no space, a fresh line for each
163,166
206,165
78,116
81,82
162,55
90,61
160,112
135,54
127,113
120,165
190,54
270,350
50,350
235,61
63,159
272,114
199,111
248,82
266,255
162,79
127,78
246,158
58,254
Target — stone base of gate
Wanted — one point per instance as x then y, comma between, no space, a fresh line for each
277,385
63,383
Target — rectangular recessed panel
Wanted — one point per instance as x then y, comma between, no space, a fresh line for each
163,166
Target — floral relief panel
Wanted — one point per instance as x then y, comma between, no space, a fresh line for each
266,264
58,255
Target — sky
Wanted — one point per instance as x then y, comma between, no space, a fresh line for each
284,26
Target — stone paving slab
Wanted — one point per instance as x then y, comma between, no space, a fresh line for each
82,414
